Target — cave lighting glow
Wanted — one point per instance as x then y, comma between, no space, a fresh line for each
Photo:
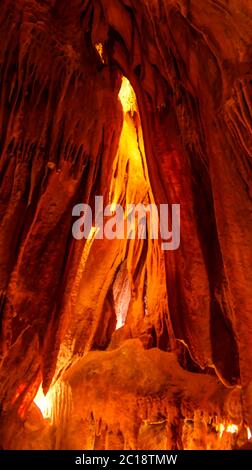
127,96
130,167
230,428
44,402
100,50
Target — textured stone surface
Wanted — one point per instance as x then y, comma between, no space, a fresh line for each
62,141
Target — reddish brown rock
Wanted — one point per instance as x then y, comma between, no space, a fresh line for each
64,138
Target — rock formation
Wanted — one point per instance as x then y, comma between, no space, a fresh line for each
139,101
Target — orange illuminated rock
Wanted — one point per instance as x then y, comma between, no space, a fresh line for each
136,101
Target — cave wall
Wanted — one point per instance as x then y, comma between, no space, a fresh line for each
189,63
59,124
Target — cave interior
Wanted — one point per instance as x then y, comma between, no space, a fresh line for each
116,343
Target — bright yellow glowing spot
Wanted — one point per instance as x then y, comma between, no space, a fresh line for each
249,433
92,233
127,96
130,180
44,403
232,428
99,48
113,207
221,429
